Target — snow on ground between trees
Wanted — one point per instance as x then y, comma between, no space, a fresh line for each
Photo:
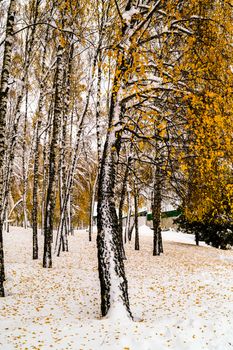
181,300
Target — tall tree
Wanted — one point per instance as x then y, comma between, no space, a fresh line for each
51,191
36,155
114,290
3,110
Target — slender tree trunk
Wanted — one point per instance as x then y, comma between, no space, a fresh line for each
45,173
3,110
136,217
92,203
30,38
25,219
35,194
127,226
156,213
197,238
63,155
70,225
36,158
90,229
51,194
121,205
98,99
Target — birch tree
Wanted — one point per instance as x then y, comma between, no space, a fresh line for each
114,290
50,197
3,110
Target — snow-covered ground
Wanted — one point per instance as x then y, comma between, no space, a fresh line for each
181,300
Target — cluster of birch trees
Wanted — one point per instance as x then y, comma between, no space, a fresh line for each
107,100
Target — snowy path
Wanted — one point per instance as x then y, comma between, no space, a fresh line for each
182,299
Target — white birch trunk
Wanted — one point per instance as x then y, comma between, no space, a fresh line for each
3,110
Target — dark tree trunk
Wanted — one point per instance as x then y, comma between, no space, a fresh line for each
3,110
121,205
136,217
197,238
51,194
120,210
131,231
160,240
156,213
70,226
92,202
127,234
90,221
35,196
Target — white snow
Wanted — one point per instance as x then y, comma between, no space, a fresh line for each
182,300
171,235
127,15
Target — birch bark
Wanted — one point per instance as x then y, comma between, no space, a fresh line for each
51,193
36,159
3,110
113,282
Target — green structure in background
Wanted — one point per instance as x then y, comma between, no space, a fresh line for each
165,214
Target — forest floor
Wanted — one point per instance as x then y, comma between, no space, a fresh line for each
182,300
